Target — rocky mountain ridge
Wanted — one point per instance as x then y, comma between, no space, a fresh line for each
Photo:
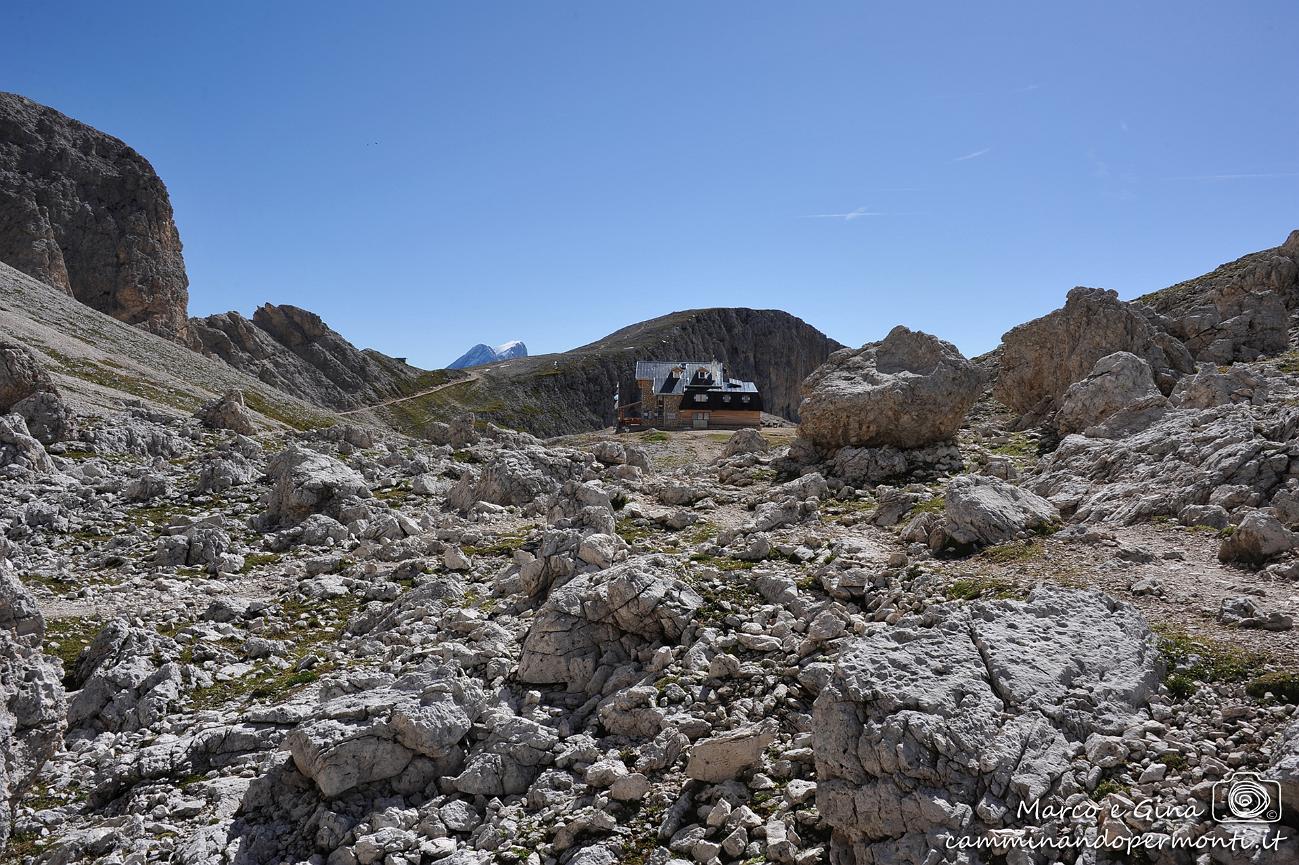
296,352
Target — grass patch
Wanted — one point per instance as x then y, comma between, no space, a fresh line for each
1284,686
655,436
1015,551
700,532
1173,760
934,505
632,533
1020,445
297,417
988,588
1193,659
111,375
503,546
257,560
1108,786
65,638
264,682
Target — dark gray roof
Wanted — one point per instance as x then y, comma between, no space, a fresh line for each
660,373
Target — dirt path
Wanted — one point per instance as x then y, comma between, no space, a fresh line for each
472,376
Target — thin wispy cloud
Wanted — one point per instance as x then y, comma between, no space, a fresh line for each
859,213
975,155
1266,175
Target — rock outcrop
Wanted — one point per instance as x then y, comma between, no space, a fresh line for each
603,619
907,391
1240,311
1041,358
31,697
306,482
1150,460
942,729
87,215
294,351
985,510
1118,380
21,375
27,390
228,412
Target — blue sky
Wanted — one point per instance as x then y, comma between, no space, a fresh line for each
430,175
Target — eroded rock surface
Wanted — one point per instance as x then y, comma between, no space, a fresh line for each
1041,358
31,697
941,728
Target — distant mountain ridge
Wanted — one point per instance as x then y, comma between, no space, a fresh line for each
484,353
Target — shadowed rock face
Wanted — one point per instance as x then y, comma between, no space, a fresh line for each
295,351
1042,357
84,213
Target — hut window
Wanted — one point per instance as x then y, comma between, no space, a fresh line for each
701,397
744,399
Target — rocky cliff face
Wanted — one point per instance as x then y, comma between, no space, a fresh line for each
295,351
84,213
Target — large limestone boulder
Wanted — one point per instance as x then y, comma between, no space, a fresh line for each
519,476
48,417
21,375
1209,388
27,390
305,482
88,216
984,510
600,620
908,390
745,441
724,756
31,697
935,731
1118,380
127,679
1042,357
376,735
1259,537
229,412
19,448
